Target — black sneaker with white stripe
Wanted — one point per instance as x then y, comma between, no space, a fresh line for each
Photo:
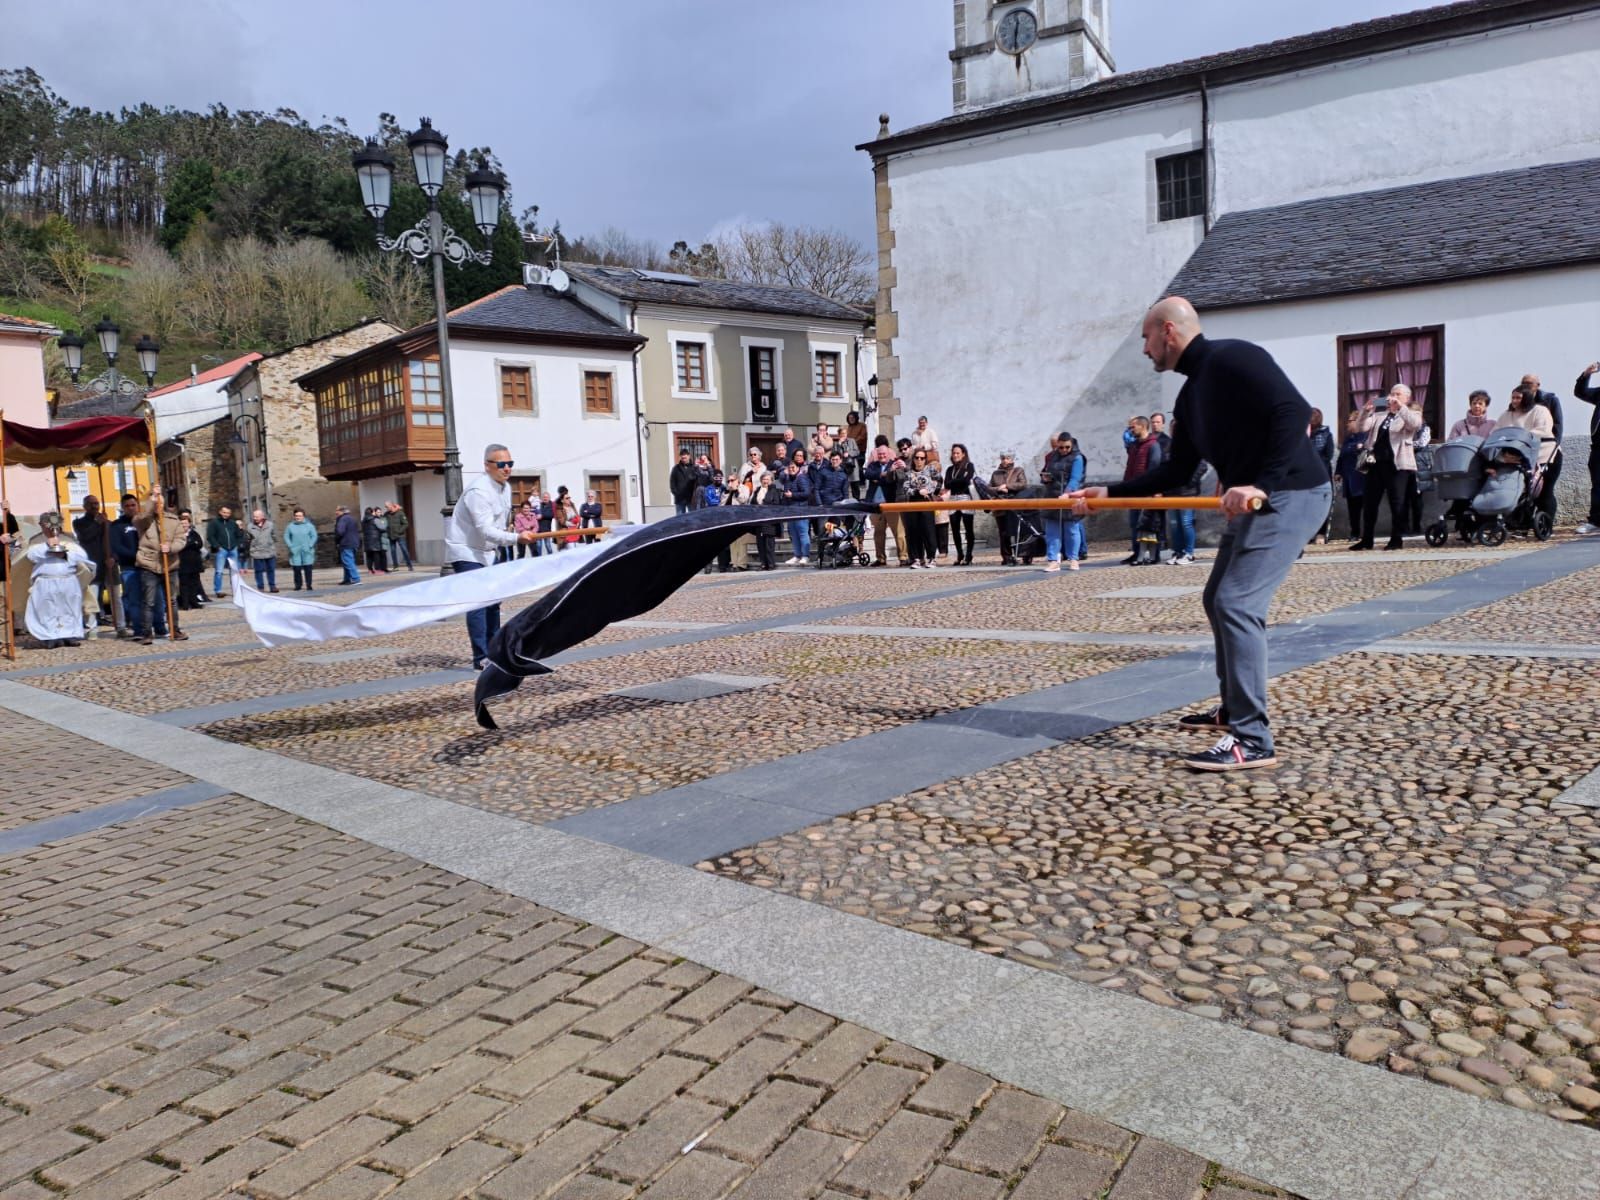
1212,718
1230,754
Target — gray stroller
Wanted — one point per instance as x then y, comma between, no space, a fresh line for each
1500,488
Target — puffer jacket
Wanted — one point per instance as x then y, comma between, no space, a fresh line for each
832,486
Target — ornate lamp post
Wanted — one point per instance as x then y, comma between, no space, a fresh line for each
110,382
432,238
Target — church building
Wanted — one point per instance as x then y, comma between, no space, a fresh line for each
1409,199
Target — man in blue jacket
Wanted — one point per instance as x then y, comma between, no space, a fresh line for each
347,537
832,480
125,548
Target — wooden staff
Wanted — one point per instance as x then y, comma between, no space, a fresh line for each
112,570
158,510
574,531
5,525
1098,504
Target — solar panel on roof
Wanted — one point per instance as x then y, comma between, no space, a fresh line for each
667,277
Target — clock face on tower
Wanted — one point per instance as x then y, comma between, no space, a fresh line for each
1017,31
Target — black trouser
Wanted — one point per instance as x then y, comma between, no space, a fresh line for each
919,533
941,536
766,547
1413,505
1594,478
1007,523
961,523
1547,492
298,573
189,593
1353,507
1383,480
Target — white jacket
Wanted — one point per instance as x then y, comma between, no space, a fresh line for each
480,523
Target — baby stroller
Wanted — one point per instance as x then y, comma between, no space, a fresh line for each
1028,541
1512,481
841,544
1457,474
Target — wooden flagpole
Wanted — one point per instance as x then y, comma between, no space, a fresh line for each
5,524
1095,505
159,506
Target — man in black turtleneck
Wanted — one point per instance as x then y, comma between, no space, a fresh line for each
1239,412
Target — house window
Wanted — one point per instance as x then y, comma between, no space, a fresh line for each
597,397
427,391
516,389
1181,186
525,487
1370,364
608,490
692,367
697,444
827,375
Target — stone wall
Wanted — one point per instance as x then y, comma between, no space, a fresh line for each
290,424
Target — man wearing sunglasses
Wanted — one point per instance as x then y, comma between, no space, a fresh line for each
479,525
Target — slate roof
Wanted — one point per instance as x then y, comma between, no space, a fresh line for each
536,310
514,313
625,282
1492,224
97,406
1249,62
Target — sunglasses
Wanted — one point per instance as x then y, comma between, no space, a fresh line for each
503,463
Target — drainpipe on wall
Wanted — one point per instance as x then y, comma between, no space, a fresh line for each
1205,150
639,412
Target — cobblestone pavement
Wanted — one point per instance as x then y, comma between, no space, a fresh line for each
230,1001
1556,613
1405,890
1088,602
565,744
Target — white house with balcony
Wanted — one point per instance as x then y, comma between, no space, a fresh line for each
532,368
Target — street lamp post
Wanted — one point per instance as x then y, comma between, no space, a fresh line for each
242,448
111,382
432,238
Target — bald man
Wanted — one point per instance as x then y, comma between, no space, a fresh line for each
1239,412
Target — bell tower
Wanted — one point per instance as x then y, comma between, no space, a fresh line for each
1012,49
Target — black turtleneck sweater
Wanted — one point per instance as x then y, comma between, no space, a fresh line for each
1239,412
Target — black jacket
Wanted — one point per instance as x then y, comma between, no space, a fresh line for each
1553,402
346,532
91,535
681,483
1589,395
1239,412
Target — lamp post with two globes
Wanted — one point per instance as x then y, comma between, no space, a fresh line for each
432,238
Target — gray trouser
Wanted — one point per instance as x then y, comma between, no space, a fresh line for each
1254,557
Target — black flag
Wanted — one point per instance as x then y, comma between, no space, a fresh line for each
626,579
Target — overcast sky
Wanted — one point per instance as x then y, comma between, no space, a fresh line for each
666,118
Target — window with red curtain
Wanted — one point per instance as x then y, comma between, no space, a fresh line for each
1372,363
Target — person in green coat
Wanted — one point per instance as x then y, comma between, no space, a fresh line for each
399,526
300,535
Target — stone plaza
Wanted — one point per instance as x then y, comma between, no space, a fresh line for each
861,883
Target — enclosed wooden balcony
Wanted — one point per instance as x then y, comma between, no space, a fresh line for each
381,417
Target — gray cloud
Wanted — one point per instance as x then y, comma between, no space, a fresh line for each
662,117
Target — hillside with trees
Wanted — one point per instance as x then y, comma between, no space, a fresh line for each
220,232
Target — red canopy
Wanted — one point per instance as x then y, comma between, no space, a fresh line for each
93,440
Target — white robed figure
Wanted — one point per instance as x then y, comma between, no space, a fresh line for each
54,615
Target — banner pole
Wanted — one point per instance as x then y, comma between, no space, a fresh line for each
159,501
1099,504
5,524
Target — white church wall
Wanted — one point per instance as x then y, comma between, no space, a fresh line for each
1024,264
1495,330
1023,261
1514,98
